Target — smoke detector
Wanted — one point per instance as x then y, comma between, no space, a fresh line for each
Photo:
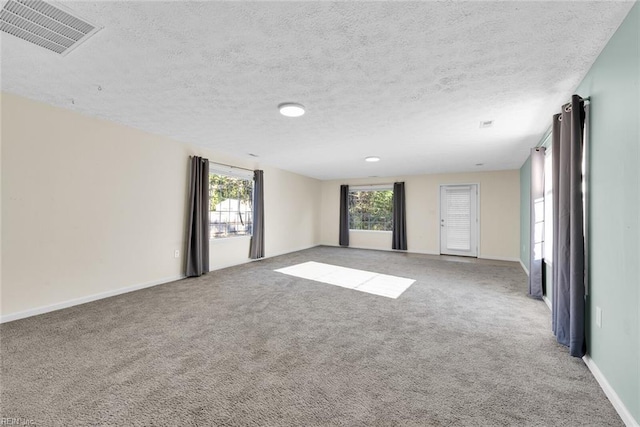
45,24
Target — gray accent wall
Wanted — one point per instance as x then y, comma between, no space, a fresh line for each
613,84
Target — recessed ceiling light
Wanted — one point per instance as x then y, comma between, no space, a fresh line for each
486,124
479,164
253,155
291,109
372,159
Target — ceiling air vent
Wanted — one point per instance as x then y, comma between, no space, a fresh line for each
44,24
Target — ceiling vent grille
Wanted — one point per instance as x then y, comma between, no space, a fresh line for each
45,24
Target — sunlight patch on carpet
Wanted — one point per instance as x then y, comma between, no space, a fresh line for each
360,280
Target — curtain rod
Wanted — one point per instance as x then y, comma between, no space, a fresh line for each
585,99
231,166
390,184
547,134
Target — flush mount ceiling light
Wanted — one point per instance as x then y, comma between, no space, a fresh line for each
291,109
372,159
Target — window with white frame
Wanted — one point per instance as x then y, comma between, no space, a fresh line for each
548,206
371,208
230,201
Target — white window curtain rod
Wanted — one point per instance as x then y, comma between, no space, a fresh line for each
214,164
366,187
235,171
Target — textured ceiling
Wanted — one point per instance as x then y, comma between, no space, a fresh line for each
406,81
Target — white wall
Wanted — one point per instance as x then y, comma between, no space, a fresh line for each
91,207
291,204
499,213
292,208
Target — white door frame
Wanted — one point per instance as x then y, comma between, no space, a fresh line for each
477,184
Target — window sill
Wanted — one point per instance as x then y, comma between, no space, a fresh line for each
228,238
370,231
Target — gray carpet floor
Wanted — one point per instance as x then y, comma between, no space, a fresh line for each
247,346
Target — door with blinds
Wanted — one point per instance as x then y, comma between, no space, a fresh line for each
459,220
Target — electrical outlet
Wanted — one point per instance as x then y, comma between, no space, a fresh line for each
176,254
599,317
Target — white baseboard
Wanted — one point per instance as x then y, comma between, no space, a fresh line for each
248,260
83,300
370,249
289,251
492,258
378,249
622,410
422,252
497,258
393,250
526,270
77,301
620,407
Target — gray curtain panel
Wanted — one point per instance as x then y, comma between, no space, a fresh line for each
197,258
537,222
399,234
568,318
585,216
256,249
344,215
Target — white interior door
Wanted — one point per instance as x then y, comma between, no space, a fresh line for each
459,220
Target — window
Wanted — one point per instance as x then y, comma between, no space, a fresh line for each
548,206
230,202
371,208
548,201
